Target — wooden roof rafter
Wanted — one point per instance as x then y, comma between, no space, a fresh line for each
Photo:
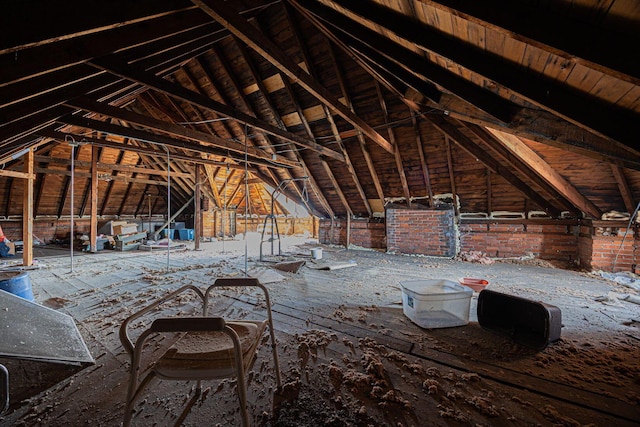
547,94
129,72
623,186
546,172
574,41
200,115
332,123
60,136
87,189
225,66
517,164
130,132
386,58
537,125
361,140
155,110
271,106
265,47
396,152
469,146
129,187
261,141
423,161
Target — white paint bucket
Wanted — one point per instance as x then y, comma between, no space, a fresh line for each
316,253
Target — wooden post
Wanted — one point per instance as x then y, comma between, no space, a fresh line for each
93,228
489,195
197,215
348,242
27,211
452,177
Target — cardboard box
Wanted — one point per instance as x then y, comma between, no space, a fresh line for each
125,229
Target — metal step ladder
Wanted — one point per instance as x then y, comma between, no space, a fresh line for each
271,224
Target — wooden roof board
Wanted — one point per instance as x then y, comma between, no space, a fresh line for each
39,96
504,197
600,186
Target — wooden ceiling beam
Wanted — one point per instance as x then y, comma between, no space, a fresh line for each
63,54
123,70
60,136
423,161
550,175
147,136
107,166
575,41
519,165
88,104
406,65
265,47
336,187
103,17
396,151
448,129
582,110
247,105
362,142
625,189
332,123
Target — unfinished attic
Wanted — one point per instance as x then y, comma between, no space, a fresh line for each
335,169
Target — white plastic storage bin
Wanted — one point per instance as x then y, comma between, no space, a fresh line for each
436,303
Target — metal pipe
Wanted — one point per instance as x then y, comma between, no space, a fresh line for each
168,200
73,144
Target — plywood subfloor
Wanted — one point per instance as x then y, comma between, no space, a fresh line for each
349,356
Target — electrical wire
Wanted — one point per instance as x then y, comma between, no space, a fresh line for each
246,202
201,122
615,260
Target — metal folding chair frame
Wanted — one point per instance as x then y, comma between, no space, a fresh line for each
202,323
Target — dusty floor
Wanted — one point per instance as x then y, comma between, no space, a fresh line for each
348,355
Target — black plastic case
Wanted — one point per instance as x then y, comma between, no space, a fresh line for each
530,323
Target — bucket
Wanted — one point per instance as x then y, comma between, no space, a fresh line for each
17,283
316,253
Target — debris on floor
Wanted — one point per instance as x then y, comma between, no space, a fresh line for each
291,266
348,355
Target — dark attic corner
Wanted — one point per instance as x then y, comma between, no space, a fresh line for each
319,212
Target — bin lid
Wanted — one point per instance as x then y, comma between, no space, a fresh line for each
434,287
33,332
